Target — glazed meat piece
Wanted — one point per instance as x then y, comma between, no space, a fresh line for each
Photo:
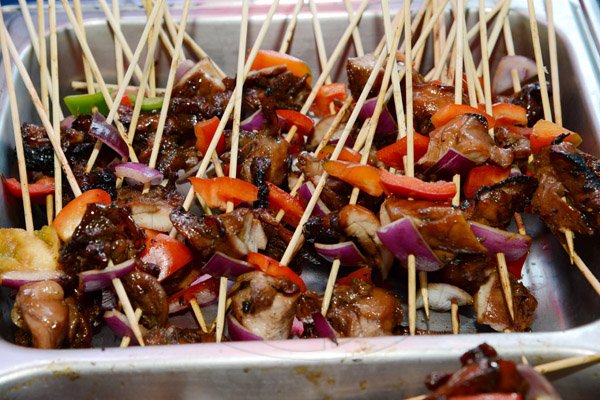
579,173
336,193
467,272
171,334
323,229
39,155
150,210
98,178
428,98
278,236
274,88
276,149
177,150
202,80
82,318
468,135
106,233
264,305
363,310
559,215
361,225
235,233
146,293
530,98
518,144
482,372
495,205
491,308
259,167
443,228
40,309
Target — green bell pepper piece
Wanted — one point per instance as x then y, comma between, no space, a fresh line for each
148,103
85,103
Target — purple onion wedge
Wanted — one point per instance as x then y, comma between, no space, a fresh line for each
297,327
238,333
253,122
118,323
539,387
221,265
346,252
386,123
513,245
97,279
108,134
323,327
139,172
451,163
305,193
16,279
402,238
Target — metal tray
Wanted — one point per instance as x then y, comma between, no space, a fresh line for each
568,315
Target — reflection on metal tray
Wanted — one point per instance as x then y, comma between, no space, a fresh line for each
568,314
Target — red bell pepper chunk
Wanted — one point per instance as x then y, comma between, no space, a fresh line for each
407,186
168,253
347,154
364,177
516,267
271,58
203,292
484,175
489,396
273,268
205,131
544,133
37,191
326,95
509,114
304,124
392,155
216,192
450,111
362,274
279,199
70,216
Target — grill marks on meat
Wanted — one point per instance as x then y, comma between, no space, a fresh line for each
467,134
495,205
491,308
106,232
444,228
363,310
235,233
41,310
264,305
274,88
323,229
428,98
146,293
273,148
518,144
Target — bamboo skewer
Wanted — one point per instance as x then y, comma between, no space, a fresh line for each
80,85
165,40
289,32
87,72
553,64
126,340
496,29
358,46
118,50
56,117
510,49
319,38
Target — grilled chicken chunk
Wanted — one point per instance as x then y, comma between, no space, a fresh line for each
428,98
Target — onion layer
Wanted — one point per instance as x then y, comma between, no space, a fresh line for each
16,279
107,134
451,163
238,333
323,327
346,252
539,387
253,122
96,279
139,172
386,123
402,238
221,265
502,81
118,323
513,245
305,193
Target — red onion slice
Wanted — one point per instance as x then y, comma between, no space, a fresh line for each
139,172
67,123
386,123
221,265
16,279
205,290
108,134
238,333
96,279
346,252
253,122
513,245
305,193
183,67
402,238
539,387
502,81
451,163
118,323
323,327
297,327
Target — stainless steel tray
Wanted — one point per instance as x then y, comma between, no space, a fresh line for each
568,316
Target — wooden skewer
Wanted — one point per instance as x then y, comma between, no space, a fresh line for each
510,49
16,123
319,37
162,34
152,78
235,137
87,72
537,50
126,340
289,32
358,46
455,318
496,29
78,85
118,49
198,313
56,117
419,54
554,63
128,309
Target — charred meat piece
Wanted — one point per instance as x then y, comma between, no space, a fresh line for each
495,205
428,98
323,229
106,233
491,308
361,225
171,334
39,155
99,178
482,372
530,98
467,134
146,293
80,326
443,228
259,168
336,193
273,148
199,107
41,310
363,310
518,144
579,174
548,200
467,272
202,80
235,233
264,305
277,235
150,210
274,88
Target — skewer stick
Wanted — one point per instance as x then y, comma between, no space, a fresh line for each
496,29
87,72
553,63
172,33
458,66
419,54
16,123
128,309
289,32
510,49
162,34
118,49
148,5
358,46
198,313
539,61
126,340
566,363
55,102
319,38
455,318
79,85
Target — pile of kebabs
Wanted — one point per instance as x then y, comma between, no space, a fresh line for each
172,204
